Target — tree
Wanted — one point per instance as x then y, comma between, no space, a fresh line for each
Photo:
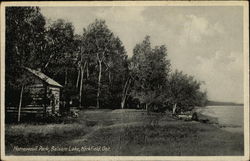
150,71
103,52
25,27
25,43
116,74
60,59
185,92
60,50
127,86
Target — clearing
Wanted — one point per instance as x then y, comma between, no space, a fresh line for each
121,132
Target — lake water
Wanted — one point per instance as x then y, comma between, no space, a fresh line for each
231,118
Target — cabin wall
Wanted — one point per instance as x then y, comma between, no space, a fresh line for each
40,100
55,91
36,92
42,96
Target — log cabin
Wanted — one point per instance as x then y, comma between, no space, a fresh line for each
43,93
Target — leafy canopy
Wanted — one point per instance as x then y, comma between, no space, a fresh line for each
150,68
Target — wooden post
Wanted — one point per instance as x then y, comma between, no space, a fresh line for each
45,98
147,109
20,105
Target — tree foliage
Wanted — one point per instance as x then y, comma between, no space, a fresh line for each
105,56
60,51
25,27
150,68
93,67
185,91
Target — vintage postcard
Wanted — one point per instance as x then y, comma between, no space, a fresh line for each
125,80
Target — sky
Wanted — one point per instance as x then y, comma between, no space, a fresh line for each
204,41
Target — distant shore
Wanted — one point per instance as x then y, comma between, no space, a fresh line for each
219,103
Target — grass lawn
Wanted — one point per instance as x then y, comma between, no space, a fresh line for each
122,132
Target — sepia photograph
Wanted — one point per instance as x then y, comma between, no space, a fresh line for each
108,79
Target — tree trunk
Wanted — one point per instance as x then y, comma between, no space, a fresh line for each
66,77
99,85
20,105
125,91
78,77
109,77
81,85
50,57
123,96
87,68
122,103
174,108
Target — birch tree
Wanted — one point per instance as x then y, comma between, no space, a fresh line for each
105,54
185,92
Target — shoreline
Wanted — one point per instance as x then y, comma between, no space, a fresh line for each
210,115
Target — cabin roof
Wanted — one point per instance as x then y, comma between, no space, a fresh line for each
44,77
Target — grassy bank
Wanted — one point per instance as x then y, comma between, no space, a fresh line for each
122,132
